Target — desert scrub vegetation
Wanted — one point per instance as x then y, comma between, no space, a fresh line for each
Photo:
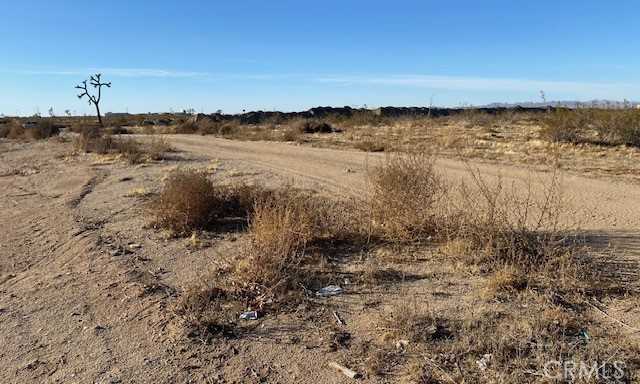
529,302
598,126
517,237
93,140
41,129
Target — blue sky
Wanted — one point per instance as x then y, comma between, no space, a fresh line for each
292,55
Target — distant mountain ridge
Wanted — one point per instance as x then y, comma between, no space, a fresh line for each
614,104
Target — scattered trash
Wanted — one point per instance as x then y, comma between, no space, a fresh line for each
249,315
329,290
483,363
338,319
344,370
585,335
135,245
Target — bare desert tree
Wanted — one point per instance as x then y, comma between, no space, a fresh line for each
96,83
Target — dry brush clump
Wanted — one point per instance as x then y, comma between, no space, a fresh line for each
190,201
481,222
592,125
208,310
287,229
407,196
93,140
41,129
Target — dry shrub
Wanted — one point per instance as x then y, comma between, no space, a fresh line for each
564,125
44,128
157,148
93,140
406,196
512,226
616,127
281,228
190,201
208,310
228,128
131,150
509,344
371,145
187,127
186,203
13,130
206,126
291,134
311,126
600,126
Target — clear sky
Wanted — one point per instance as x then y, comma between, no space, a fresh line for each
292,55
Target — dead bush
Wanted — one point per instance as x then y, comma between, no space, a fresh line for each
512,226
44,128
616,127
208,310
311,126
187,202
131,150
91,140
13,130
186,127
371,145
599,126
280,229
291,134
190,201
564,125
41,129
157,148
406,197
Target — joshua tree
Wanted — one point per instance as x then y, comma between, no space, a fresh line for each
94,80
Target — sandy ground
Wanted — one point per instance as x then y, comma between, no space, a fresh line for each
76,261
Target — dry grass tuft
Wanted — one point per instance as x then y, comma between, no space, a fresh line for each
412,322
